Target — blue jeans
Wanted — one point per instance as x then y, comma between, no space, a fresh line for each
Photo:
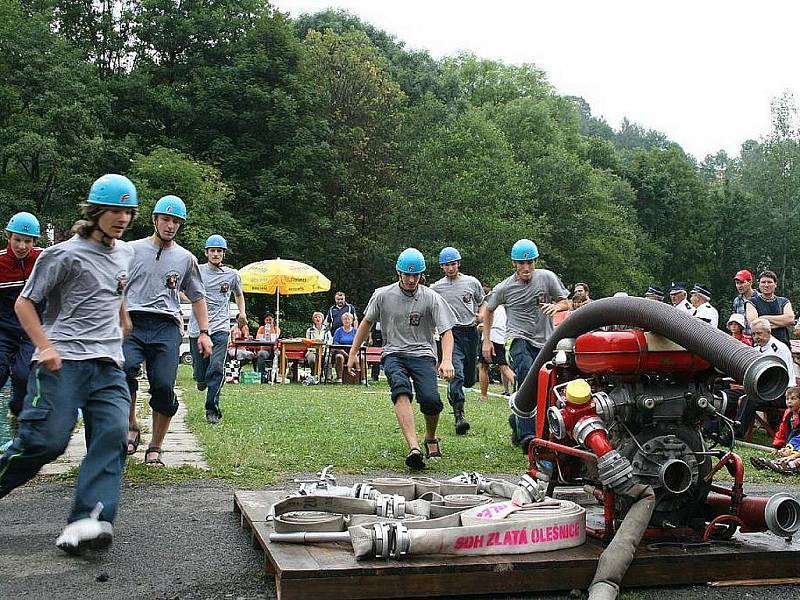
465,352
97,387
211,370
15,361
402,369
523,353
155,340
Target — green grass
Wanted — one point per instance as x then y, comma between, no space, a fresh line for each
269,432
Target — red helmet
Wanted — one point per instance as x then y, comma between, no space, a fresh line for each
744,275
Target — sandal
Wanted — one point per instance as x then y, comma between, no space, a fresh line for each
133,444
414,460
759,462
155,462
432,449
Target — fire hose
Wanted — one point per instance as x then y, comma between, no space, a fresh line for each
485,529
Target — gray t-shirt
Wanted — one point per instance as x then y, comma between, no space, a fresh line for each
524,318
464,294
220,283
84,283
407,322
154,285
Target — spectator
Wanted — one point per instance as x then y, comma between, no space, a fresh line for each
333,319
775,309
240,333
409,313
677,295
743,280
580,296
343,336
318,333
736,328
268,332
464,294
700,299
789,427
654,293
497,335
531,297
376,340
766,343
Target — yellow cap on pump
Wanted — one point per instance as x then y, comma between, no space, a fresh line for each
578,392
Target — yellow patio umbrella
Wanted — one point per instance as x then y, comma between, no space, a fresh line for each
278,276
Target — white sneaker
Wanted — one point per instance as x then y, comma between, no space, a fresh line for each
84,534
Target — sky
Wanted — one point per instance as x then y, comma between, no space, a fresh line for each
703,72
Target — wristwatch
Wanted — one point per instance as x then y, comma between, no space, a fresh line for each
205,331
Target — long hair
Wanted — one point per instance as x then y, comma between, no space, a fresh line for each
91,213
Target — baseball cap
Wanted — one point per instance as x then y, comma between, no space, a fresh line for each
743,275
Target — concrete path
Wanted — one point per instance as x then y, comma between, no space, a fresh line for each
181,447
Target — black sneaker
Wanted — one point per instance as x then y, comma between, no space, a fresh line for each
201,386
212,417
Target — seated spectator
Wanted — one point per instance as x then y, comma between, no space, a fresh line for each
343,336
319,333
241,353
268,332
736,325
787,439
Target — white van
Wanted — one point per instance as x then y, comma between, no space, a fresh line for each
186,310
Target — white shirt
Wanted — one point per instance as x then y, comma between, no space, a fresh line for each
781,350
685,306
706,312
498,331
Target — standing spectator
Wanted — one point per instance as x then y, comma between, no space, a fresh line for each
343,336
580,295
677,295
268,332
736,328
497,335
160,270
531,297
16,263
333,318
775,309
700,299
743,280
77,363
409,313
464,294
220,282
654,293
766,343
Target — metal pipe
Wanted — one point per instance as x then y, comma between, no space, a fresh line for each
779,514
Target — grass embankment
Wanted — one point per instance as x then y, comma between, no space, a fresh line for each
270,432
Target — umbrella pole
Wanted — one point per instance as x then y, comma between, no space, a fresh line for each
278,310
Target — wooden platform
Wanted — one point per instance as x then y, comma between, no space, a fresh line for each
331,571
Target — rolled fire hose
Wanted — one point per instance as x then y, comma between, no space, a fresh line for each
617,557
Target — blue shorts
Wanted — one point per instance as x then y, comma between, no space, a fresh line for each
402,369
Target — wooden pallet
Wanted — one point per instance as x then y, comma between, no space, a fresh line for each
331,571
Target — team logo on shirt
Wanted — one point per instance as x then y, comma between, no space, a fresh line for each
542,298
225,288
467,298
122,280
414,319
171,280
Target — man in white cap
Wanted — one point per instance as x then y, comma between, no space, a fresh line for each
700,299
677,295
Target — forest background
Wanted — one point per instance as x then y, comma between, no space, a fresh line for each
326,140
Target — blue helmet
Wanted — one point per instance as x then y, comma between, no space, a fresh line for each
216,241
24,223
113,190
524,250
449,254
410,261
171,206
